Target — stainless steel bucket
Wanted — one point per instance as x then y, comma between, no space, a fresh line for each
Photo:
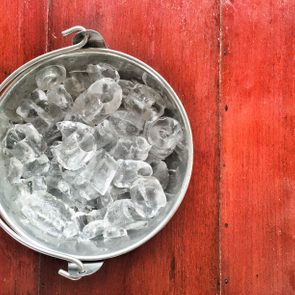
89,47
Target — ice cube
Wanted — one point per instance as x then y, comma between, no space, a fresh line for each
51,136
35,184
50,76
105,134
43,114
32,185
95,215
43,126
86,191
108,92
32,137
119,193
122,213
137,225
64,191
144,101
102,98
126,123
148,194
67,128
40,98
129,171
80,219
149,80
134,148
126,86
63,187
15,170
114,232
100,171
160,171
163,134
93,229
104,200
75,150
29,111
68,195
56,113
46,213
54,174
23,152
73,177
36,115
102,70
60,97
24,142
39,166
13,136
77,83
176,163
174,183
70,231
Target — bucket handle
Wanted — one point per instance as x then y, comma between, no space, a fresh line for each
76,268
83,38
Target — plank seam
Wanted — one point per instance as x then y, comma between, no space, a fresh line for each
47,24
39,273
219,118
47,29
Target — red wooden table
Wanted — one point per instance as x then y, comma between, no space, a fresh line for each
232,64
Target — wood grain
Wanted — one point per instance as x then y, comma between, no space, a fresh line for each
243,122
180,40
257,148
23,36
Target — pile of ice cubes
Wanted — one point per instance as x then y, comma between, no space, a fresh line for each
88,156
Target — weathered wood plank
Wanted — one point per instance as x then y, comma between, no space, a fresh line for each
258,155
23,30
180,40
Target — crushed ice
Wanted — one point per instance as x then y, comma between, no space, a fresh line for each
89,155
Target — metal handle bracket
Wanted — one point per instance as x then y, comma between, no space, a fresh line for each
95,39
74,273
76,268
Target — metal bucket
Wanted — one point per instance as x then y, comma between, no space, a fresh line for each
89,47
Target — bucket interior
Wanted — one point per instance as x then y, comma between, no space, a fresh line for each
97,249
